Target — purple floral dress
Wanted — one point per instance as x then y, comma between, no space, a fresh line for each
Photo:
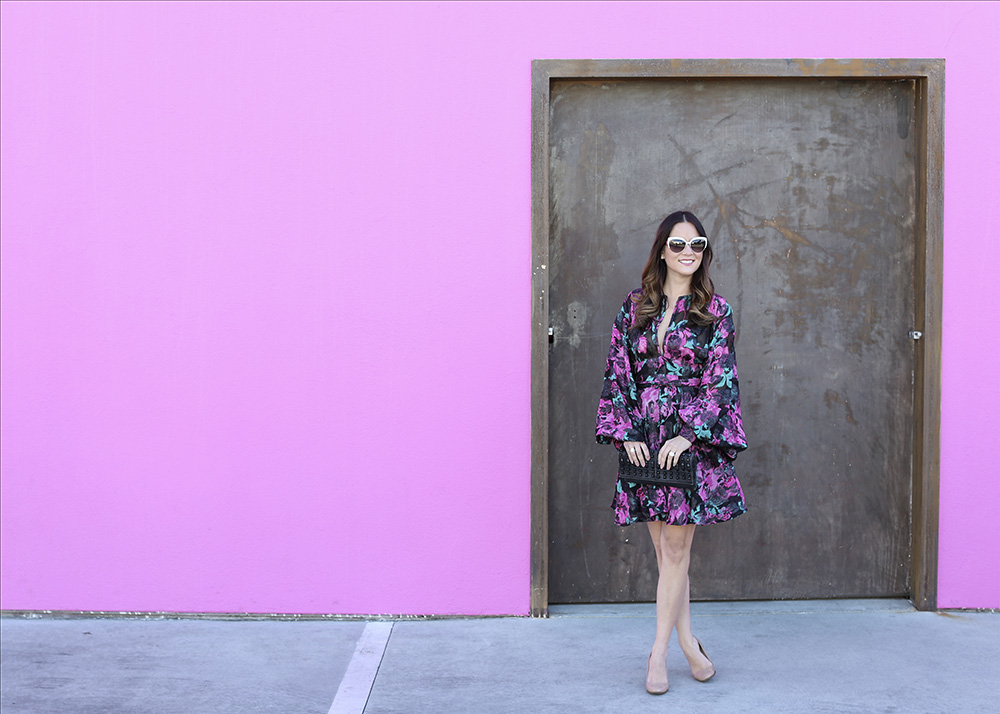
690,389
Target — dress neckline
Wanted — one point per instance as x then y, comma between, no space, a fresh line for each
663,303
663,316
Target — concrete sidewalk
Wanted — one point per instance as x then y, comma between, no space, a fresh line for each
801,656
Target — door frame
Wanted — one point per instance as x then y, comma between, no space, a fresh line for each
928,75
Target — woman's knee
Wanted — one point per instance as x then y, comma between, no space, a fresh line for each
675,543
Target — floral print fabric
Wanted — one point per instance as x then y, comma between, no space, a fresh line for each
691,389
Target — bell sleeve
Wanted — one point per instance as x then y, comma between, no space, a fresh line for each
618,416
713,416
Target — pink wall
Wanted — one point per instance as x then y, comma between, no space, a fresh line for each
246,248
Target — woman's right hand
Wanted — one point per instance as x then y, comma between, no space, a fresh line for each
637,452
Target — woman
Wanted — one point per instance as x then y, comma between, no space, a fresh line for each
671,386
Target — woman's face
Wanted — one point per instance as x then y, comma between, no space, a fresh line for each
686,262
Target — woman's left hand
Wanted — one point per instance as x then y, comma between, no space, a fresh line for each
671,451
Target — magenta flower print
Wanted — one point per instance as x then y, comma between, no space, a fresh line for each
690,389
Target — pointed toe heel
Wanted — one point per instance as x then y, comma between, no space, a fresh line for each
705,673
655,687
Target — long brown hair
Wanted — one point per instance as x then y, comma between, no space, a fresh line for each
655,274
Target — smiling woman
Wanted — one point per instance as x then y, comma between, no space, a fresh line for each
670,386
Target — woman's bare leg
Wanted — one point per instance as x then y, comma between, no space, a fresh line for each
689,645
673,556
684,636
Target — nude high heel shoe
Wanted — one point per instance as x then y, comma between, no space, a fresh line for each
706,673
655,687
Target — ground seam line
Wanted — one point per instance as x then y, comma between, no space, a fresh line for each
356,686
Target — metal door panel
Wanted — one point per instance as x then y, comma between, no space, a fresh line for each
807,189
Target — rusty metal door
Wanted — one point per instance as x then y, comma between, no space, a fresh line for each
807,188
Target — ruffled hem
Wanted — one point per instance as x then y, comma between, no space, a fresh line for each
676,506
671,520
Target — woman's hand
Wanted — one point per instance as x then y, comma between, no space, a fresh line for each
637,452
671,451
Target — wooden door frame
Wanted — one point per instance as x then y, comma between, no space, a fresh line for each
928,75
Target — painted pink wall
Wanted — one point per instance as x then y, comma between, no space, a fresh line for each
248,247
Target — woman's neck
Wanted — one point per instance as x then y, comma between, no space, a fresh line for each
676,285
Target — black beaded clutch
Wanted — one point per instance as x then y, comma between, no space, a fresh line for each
680,476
